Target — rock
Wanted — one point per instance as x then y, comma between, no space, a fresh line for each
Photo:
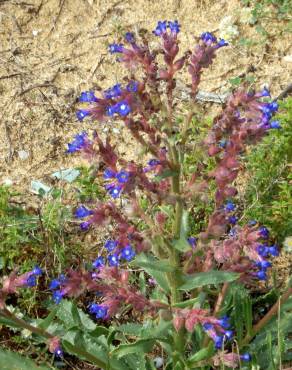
287,58
38,187
69,174
23,155
158,362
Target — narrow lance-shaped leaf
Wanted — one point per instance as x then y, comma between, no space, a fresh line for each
207,278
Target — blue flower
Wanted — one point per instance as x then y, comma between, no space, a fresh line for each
252,223
128,253
261,275
87,97
208,37
275,125
174,27
84,225
113,259
270,108
113,92
132,86
110,245
37,270
57,296
153,162
81,114
224,322
160,28
262,250
228,334
109,174
129,37
221,43
274,106
192,241
232,220
79,142
265,92
218,341
111,110
207,326
99,310
229,207
99,262
31,281
123,176
114,190
245,357
116,48
263,265
233,232
122,108
54,284
264,232
82,212
58,352
273,250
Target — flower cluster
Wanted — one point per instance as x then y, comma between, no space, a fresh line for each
80,142
245,251
217,329
120,178
110,284
117,254
15,281
203,56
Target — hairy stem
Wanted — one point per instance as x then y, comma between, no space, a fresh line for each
173,278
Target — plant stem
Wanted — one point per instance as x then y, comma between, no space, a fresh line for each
220,298
173,278
217,308
273,311
39,331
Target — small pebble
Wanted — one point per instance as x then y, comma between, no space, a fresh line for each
23,155
7,182
158,362
288,58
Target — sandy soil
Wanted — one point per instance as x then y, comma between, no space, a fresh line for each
51,50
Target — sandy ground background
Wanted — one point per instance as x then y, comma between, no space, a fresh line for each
51,50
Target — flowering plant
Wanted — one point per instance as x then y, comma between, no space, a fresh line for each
183,309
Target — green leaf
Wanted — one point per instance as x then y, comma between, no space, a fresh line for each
10,323
189,302
80,344
13,361
207,278
203,354
148,330
158,275
45,323
181,245
235,81
72,317
79,352
147,261
142,346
